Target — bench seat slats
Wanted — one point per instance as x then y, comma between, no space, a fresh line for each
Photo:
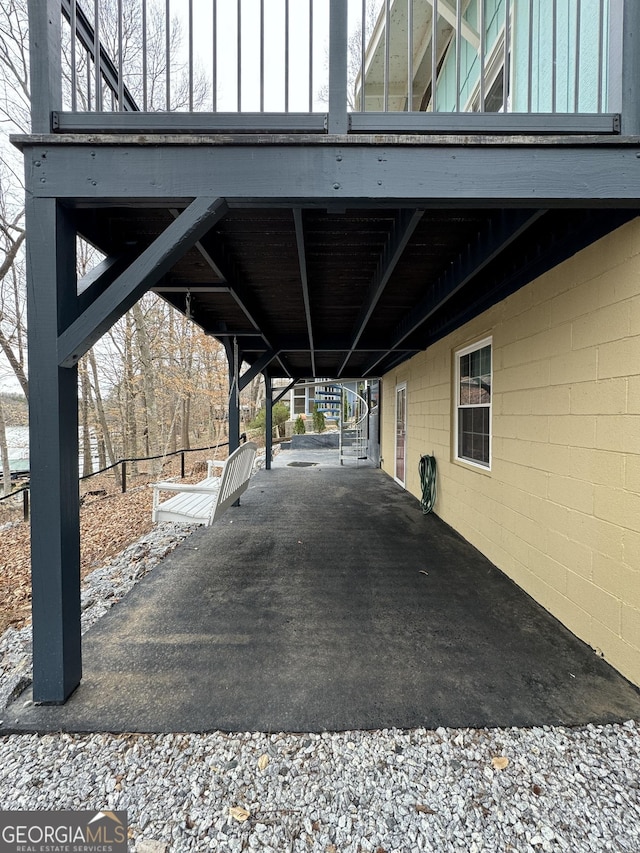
204,502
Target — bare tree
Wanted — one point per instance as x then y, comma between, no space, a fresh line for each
15,95
139,392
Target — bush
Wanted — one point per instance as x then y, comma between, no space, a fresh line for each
280,414
319,424
299,427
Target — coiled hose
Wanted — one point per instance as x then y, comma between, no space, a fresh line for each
428,482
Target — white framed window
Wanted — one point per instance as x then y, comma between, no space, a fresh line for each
473,379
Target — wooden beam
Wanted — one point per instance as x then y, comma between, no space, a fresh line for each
256,368
404,226
448,12
45,62
53,449
97,280
492,239
142,274
302,261
468,173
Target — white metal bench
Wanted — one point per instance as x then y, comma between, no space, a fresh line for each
204,502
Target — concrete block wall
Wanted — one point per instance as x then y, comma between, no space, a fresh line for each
559,511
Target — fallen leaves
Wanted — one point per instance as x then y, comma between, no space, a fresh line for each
422,809
500,762
263,762
238,813
107,526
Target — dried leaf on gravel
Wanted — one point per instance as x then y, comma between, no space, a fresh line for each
424,809
239,814
263,762
500,762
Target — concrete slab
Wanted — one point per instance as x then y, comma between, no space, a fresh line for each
327,601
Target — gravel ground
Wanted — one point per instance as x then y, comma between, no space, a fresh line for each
390,791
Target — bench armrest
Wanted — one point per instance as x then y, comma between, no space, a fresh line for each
215,463
183,487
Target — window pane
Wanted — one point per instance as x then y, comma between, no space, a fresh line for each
475,363
485,385
473,434
485,360
474,401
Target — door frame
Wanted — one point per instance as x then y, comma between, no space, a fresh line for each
400,387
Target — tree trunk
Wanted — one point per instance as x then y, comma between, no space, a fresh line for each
131,432
85,403
186,416
104,442
16,366
148,381
4,455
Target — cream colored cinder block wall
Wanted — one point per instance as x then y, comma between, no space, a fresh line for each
559,512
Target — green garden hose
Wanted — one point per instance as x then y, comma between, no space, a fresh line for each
428,483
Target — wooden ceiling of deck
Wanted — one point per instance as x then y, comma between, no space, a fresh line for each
247,277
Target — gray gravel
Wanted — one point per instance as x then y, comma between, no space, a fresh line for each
386,791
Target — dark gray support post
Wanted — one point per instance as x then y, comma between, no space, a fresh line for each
45,64
631,69
338,118
234,395
53,450
268,426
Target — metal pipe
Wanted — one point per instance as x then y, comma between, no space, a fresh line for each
310,56
286,56
239,55
167,54
387,47
458,51
483,50
410,57
576,84
600,56
507,45
261,56
190,56
530,60
145,104
434,55
120,60
363,47
96,56
554,56
72,24
89,93
214,56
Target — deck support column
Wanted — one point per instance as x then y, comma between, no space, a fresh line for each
338,119
233,359
45,62
53,451
630,68
268,428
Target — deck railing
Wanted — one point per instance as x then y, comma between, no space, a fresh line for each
339,65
